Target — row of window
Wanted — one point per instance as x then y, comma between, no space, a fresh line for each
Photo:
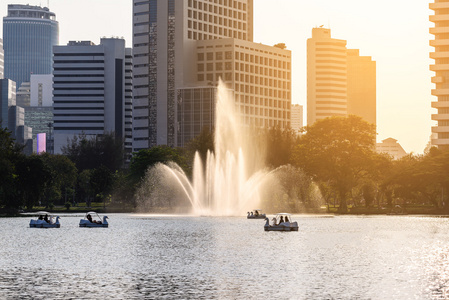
244,57
194,35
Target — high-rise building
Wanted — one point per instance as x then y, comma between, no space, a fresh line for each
297,114
441,69
7,100
2,60
361,86
29,33
182,46
92,90
340,82
39,113
12,116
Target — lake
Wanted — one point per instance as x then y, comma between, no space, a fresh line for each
183,257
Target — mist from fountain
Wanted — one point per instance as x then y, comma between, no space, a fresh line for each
229,182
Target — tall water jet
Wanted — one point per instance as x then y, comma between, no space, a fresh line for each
229,183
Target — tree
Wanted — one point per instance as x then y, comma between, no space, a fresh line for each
32,178
338,150
63,176
10,154
147,158
280,144
202,143
91,153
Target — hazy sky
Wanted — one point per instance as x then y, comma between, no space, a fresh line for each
394,33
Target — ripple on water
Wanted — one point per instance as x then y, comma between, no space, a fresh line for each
226,258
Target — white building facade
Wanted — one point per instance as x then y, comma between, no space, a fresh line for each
92,90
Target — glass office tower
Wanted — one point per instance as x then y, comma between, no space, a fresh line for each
29,33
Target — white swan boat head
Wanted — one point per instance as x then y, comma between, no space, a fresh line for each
281,222
92,219
256,214
45,220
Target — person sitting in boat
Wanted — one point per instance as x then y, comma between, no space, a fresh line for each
252,215
286,219
274,221
46,218
89,218
41,217
281,220
256,213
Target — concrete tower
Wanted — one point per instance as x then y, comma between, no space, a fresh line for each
29,33
441,69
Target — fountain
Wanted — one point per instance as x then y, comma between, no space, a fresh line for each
229,182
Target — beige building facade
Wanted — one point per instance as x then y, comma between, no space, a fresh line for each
391,147
340,82
441,69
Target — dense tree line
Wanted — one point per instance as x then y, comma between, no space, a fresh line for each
332,163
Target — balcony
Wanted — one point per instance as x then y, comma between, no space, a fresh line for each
440,129
436,18
437,79
438,30
439,67
435,43
440,117
440,104
440,142
440,92
435,55
439,5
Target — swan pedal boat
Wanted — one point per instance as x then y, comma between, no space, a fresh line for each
256,214
281,226
96,221
40,222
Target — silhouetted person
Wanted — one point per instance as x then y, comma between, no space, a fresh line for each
281,220
256,213
46,218
286,219
89,218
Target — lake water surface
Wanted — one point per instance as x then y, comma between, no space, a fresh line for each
181,257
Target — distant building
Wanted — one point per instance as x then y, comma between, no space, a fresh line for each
92,91
29,33
41,90
297,117
339,81
23,94
391,147
7,100
361,86
2,60
441,69
39,113
184,47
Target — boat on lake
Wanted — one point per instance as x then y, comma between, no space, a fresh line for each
92,219
282,222
256,214
45,220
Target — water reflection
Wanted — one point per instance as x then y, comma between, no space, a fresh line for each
146,257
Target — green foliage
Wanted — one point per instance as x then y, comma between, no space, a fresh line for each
339,151
147,158
280,144
10,154
63,176
91,153
202,143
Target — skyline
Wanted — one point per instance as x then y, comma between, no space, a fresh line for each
397,41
